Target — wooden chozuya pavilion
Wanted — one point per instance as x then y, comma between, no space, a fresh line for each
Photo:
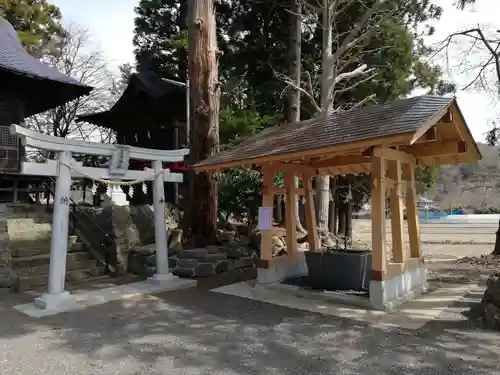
386,141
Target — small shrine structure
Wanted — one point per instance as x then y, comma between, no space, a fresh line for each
385,141
150,113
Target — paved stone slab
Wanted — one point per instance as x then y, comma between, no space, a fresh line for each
101,296
412,315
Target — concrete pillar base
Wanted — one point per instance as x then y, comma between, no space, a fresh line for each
54,301
386,295
280,273
163,277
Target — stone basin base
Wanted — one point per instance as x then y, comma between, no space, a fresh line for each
387,294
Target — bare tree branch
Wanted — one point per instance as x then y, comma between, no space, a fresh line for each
76,59
479,39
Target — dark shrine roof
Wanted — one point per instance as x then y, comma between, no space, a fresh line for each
147,102
400,117
29,80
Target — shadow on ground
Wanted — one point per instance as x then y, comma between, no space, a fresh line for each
195,331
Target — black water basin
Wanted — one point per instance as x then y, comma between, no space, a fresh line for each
339,269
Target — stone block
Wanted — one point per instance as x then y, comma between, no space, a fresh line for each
187,263
193,254
215,257
183,272
204,270
233,253
224,266
172,262
243,262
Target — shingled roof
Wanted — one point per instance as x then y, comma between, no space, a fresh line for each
14,58
400,117
20,72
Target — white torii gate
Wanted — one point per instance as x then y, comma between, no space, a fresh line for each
66,168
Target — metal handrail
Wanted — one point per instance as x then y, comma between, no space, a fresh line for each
75,217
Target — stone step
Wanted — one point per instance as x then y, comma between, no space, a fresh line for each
25,283
21,249
44,260
44,270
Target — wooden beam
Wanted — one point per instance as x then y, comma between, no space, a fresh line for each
290,215
390,154
420,150
340,161
412,213
379,262
312,233
396,205
448,117
430,135
293,168
266,243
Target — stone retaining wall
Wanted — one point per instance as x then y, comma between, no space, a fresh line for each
193,263
127,228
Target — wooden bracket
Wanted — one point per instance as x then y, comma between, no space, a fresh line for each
390,154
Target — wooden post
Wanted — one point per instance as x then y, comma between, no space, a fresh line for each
312,233
379,263
397,219
266,244
204,106
411,211
290,214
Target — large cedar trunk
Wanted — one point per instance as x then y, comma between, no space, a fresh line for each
204,106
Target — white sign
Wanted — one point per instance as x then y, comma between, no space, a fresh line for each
265,218
119,160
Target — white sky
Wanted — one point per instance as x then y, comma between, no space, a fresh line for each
111,23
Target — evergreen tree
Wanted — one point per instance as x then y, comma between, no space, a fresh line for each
37,22
254,39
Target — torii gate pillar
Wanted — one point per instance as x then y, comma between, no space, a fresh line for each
56,294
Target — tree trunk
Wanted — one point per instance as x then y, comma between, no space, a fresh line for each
348,220
323,183
342,218
333,206
204,105
278,212
496,249
294,64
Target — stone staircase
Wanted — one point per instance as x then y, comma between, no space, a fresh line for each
30,264
25,236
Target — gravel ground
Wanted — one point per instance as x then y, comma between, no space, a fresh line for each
200,332
195,331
